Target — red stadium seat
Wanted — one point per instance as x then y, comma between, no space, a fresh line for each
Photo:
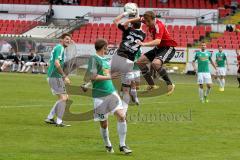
184,35
16,26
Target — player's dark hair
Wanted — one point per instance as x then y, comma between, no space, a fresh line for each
65,35
136,25
149,15
100,43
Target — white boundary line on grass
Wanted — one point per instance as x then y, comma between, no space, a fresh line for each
84,104
87,104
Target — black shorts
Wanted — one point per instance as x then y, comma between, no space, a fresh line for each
238,70
165,54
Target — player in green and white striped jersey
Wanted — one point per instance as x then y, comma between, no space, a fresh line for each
203,59
105,97
57,79
221,62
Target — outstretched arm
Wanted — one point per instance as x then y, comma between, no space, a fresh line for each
117,20
151,43
133,20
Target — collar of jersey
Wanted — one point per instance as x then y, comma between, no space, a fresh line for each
99,56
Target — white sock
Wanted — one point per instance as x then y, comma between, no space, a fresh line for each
19,67
105,136
53,111
207,91
223,83
43,69
28,68
33,68
134,93
122,131
60,110
13,67
23,68
200,93
219,82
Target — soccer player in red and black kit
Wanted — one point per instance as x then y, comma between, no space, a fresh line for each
162,52
238,64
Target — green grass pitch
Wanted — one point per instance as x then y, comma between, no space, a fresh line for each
181,129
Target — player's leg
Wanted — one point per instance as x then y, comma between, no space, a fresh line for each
153,72
223,75
122,131
34,66
37,65
126,85
125,96
208,81
102,107
200,89
14,64
135,86
222,79
43,64
158,66
29,66
61,109
142,64
58,88
4,66
1,62
19,66
164,55
24,67
105,135
58,110
207,92
133,92
218,78
219,82
201,93
10,64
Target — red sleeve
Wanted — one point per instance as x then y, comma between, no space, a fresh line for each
159,31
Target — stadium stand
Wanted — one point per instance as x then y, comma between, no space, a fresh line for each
16,26
142,3
23,1
190,4
184,35
224,12
41,31
229,40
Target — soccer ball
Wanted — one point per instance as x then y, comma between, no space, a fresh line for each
131,8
